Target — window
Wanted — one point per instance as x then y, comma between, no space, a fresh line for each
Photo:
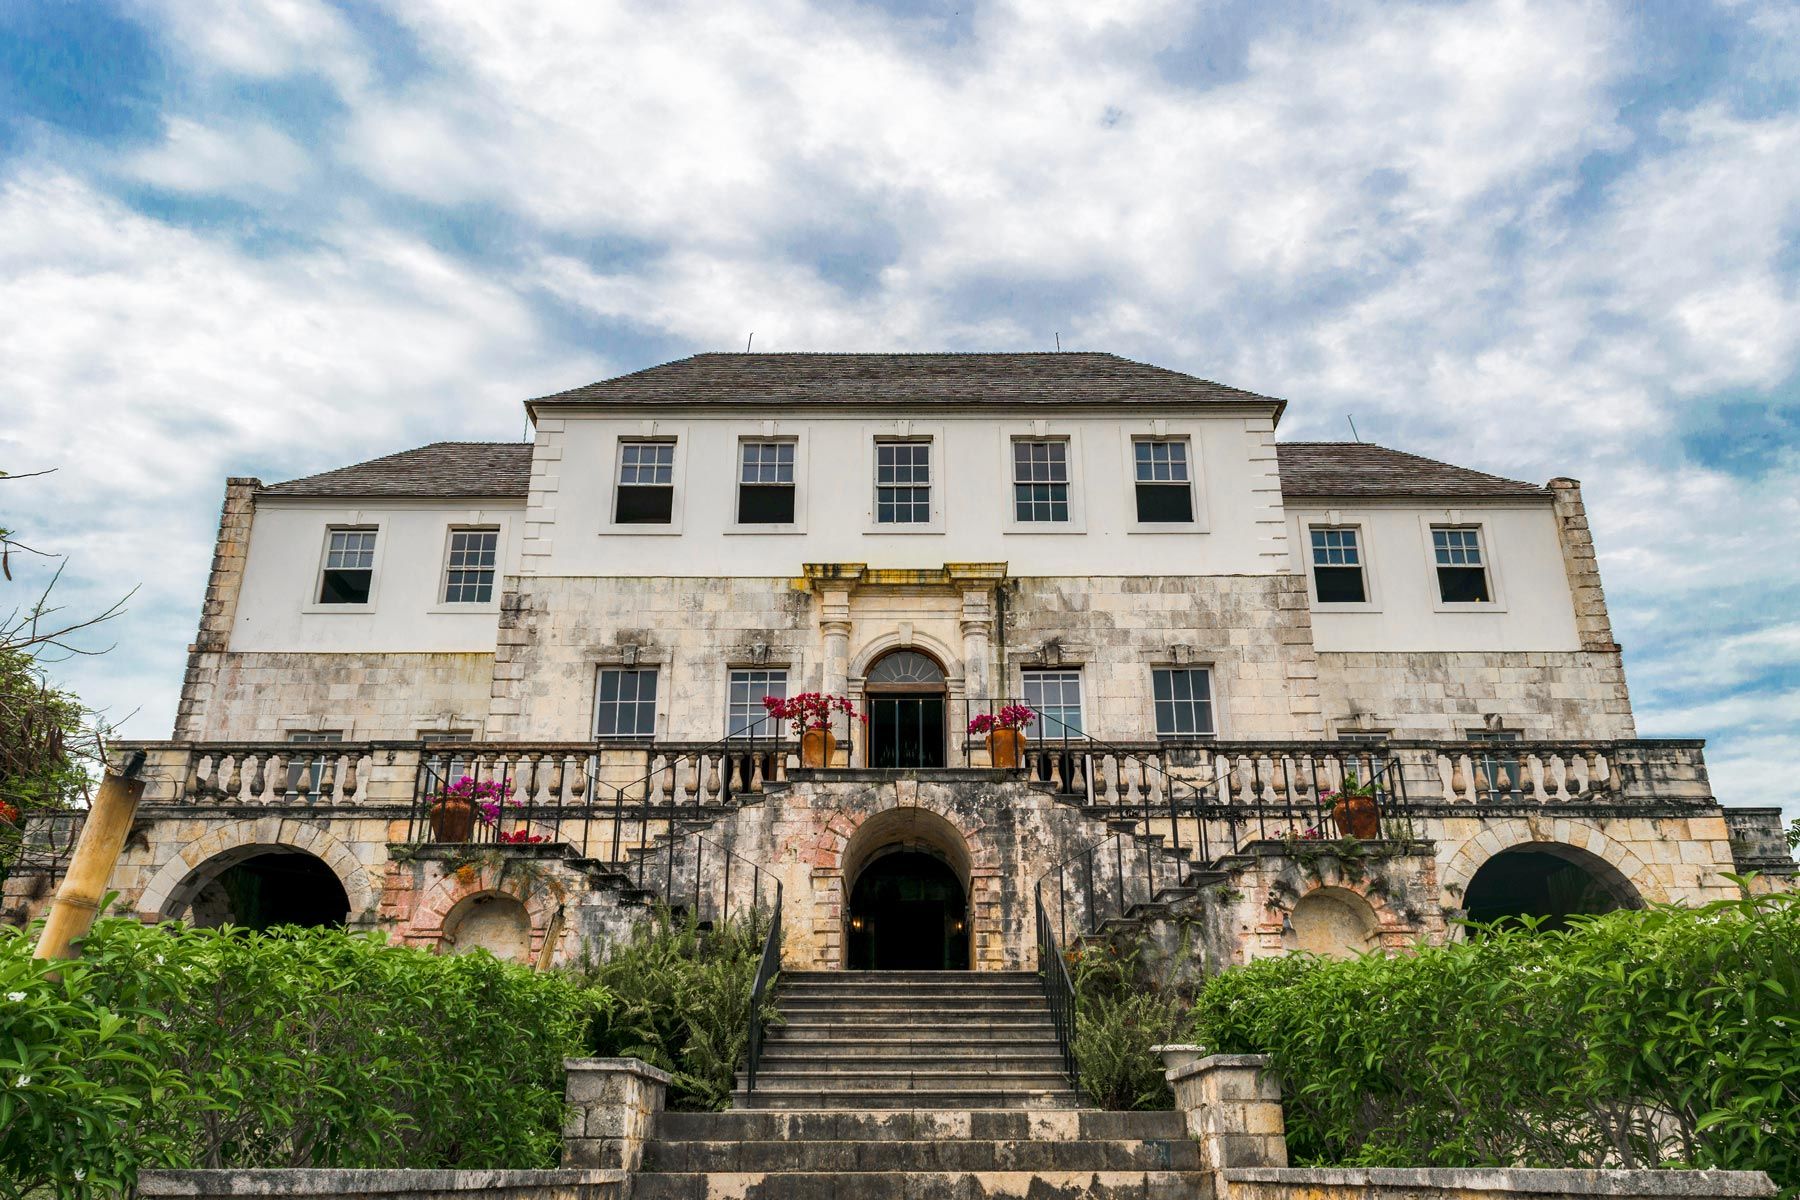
443,766
903,483
1337,567
646,484
744,706
625,704
1041,481
469,573
309,767
1165,489
349,566
1462,574
1056,695
1494,769
1184,706
766,483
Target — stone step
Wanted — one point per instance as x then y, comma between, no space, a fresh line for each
803,1098
1081,1124
936,1008
915,1185
887,981
964,1155
776,1062
836,1039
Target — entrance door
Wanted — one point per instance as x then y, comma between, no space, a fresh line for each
908,913
906,698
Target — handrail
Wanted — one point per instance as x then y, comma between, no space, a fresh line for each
766,972
1059,989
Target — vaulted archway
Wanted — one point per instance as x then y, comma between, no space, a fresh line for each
906,879
1549,881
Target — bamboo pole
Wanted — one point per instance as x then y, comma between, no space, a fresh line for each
96,854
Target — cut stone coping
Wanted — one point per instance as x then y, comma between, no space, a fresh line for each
1180,1054
1514,1180
333,1181
623,1066
1212,1062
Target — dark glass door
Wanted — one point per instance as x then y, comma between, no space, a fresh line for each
906,731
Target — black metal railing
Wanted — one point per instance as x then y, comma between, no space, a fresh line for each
766,972
1059,988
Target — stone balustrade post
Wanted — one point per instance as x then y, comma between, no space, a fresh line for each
613,1103
1232,1103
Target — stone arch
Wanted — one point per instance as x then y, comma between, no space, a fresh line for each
174,886
1335,922
493,921
885,643
434,917
1578,841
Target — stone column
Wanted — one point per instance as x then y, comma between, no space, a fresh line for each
1233,1108
834,623
613,1104
977,628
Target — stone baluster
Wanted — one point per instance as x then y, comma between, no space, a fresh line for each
304,784
1531,777
692,780
278,786
1129,783
1459,779
328,779
757,759
1054,773
558,773
1558,769
1077,776
1154,781
234,782
351,780
1579,779
259,779
1602,777
713,784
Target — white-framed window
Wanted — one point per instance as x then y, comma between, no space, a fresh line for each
1184,701
744,711
471,564
1164,480
646,483
1337,565
1462,573
903,482
348,573
766,482
1041,480
1055,694
625,702
310,768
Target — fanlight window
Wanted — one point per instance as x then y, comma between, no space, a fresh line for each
905,668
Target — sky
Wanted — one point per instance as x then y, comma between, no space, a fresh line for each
1538,239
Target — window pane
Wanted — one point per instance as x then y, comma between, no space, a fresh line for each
1159,503
312,768
469,575
645,506
1463,585
625,703
745,715
1183,701
765,504
1339,585
345,587
1056,696
1160,462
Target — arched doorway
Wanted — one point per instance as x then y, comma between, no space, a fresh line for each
907,699
908,912
261,887
1546,880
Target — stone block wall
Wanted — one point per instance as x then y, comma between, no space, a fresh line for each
265,696
1427,694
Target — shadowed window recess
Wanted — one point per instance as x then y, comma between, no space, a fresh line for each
349,572
646,484
1165,488
766,483
1461,567
1338,566
908,912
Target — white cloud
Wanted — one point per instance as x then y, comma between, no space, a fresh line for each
247,158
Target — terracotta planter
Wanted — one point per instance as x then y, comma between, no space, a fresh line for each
817,747
451,818
1357,817
1006,748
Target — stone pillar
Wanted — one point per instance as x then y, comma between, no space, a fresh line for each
613,1103
1233,1107
1593,624
219,611
977,627
834,623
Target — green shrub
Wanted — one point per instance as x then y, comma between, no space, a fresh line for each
1665,1037
681,1001
1122,1008
168,1046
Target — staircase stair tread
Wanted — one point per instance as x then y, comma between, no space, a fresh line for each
913,1185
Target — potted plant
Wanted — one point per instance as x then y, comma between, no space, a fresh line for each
9,813
810,715
453,807
1005,732
1354,810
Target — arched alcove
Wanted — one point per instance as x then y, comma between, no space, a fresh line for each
1332,922
1547,880
259,887
494,922
906,877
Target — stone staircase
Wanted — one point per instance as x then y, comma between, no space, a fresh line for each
910,1039
907,1085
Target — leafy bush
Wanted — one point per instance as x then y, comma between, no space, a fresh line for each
1122,1008
681,1001
1664,1037
176,1047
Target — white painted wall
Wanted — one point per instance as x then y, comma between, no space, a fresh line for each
1238,531
1533,609
277,611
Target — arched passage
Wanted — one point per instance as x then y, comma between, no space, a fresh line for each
906,889
1547,880
261,887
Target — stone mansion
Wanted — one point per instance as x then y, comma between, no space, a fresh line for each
1223,635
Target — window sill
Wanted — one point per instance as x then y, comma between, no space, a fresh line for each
902,530
461,610
334,609
1468,606
1166,527
670,530
1029,528
763,531
1332,606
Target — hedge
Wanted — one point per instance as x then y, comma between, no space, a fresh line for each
1663,1037
175,1047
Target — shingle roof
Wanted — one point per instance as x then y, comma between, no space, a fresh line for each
439,470
1361,469
1071,377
